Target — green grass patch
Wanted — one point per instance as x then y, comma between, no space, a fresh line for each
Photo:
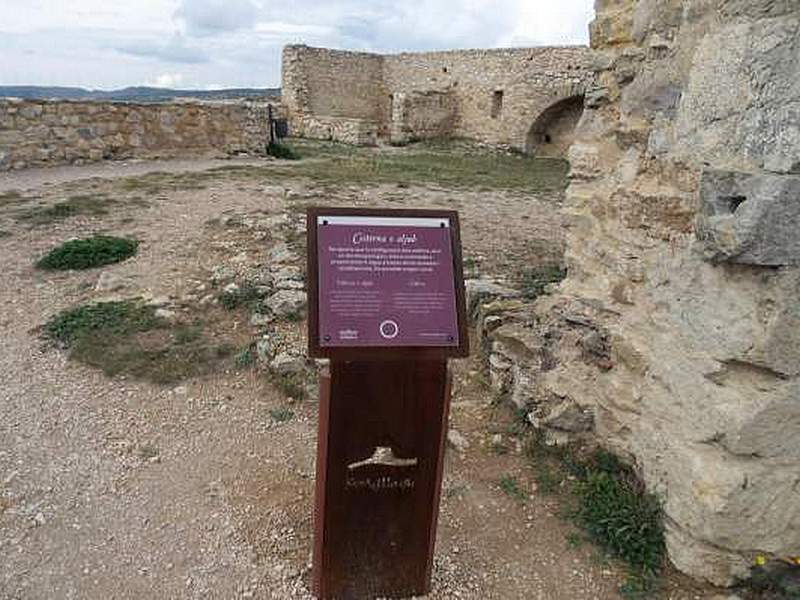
246,358
533,281
186,334
471,268
245,294
83,204
126,338
13,197
291,385
620,516
4,233
88,253
281,415
446,169
774,580
10,197
282,151
610,504
160,182
455,165
115,319
512,488
147,452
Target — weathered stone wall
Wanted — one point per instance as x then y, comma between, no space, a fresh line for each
493,96
38,132
675,340
334,94
423,115
525,81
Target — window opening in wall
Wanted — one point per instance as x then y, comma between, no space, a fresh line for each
497,103
444,69
547,138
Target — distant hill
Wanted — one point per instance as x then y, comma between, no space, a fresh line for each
132,94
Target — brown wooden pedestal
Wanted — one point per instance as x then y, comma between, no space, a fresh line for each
382,427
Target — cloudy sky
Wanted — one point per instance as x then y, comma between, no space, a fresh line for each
209,44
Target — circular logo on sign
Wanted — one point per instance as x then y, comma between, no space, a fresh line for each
389,329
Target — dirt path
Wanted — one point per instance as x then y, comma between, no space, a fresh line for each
26,179
116,488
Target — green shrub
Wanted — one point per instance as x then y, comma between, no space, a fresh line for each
533,281
244,295
281,415
774,580
282,151
246,358
620,515
511,487
110,319
82,204
88,253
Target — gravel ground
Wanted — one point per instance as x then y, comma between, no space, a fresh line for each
115,488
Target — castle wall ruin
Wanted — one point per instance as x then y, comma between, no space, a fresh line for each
40,132
675,339
493,96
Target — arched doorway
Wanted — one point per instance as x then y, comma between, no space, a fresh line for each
553,131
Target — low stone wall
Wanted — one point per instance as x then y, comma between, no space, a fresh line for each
39,132
363,132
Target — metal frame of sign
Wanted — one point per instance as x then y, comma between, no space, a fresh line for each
316,350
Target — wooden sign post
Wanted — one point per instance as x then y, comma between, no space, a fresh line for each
386,305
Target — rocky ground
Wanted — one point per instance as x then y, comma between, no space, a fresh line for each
119,487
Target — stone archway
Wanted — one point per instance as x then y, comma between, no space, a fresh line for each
553,130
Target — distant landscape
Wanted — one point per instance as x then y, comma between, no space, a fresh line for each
133,94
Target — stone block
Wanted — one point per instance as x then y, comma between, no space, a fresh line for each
750,219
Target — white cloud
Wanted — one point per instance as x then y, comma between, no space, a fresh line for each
96,43
166,80
207,17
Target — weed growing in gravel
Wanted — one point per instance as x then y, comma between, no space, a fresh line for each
619,515
91,205
611,505
246,295
773,580
471,268
9,196
246,358
161,182
291,384
147,452
128,338
115,319
282,151
533,281
450,165
186,334
88,253
13,197
281,415
511,487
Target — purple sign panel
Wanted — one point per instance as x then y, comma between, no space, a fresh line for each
386,281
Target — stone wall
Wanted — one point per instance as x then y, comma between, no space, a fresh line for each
675,340
423,115
334,94
492,96
38,132
499,93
